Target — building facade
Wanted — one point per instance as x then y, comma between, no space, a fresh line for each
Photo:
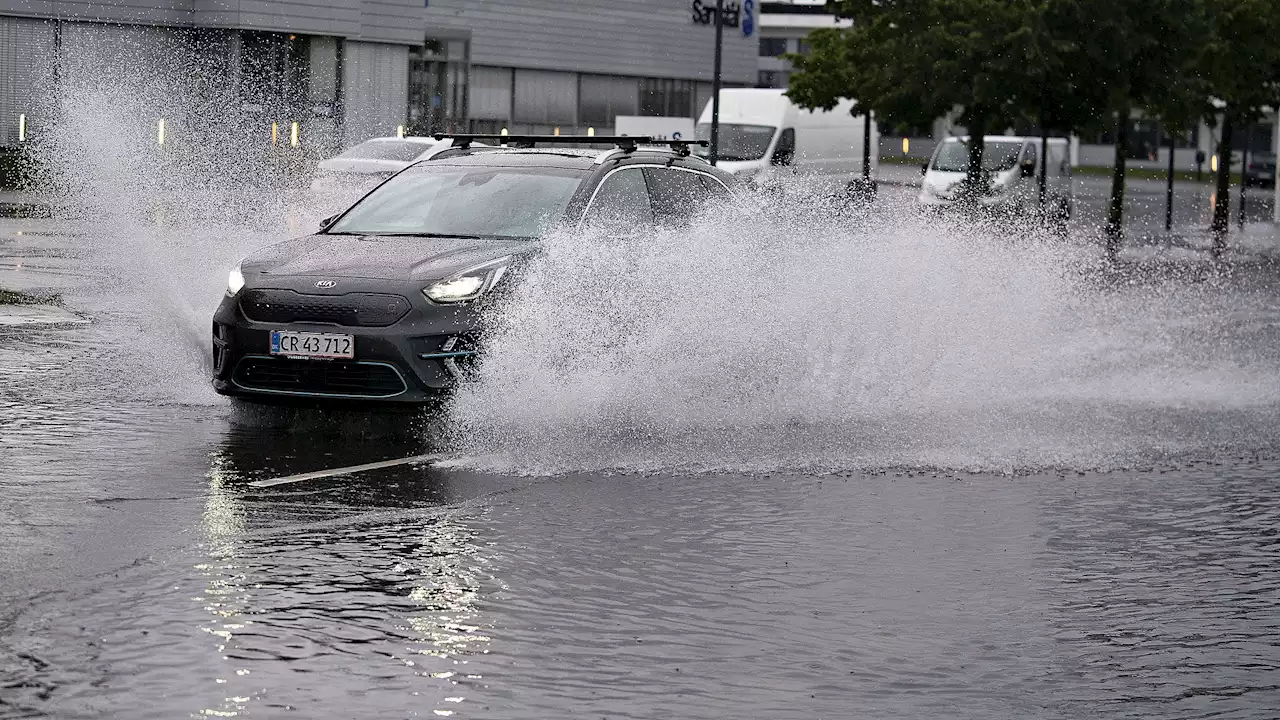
343,70
784,28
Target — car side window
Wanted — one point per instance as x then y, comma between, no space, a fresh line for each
622,202
715,189
677,195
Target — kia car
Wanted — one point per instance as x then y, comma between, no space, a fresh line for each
383,304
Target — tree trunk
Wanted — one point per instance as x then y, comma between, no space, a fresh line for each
1222,196
866,144
974,180
1115,213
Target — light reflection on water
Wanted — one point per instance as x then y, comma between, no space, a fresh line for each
400,594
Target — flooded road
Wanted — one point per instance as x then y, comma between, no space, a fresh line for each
143,576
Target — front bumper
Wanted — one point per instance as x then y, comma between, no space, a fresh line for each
417,360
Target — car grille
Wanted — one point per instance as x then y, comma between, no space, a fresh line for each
352,309
319,377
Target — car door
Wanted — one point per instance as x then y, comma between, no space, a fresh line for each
621,204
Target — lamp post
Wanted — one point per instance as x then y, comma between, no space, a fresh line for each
714,154
1168,192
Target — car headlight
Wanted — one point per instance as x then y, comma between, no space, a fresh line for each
235,280
467,285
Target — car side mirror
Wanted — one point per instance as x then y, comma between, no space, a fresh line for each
924,169
1028,168
325,223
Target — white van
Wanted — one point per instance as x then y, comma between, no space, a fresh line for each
761,129
1013,164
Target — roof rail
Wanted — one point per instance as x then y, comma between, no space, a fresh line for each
627,143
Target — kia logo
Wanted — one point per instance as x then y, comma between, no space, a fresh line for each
325,284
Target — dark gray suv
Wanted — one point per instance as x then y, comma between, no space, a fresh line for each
382,305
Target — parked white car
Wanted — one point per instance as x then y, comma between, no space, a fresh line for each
1012,164
374,160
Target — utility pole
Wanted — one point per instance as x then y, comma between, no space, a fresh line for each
714,155
1168,195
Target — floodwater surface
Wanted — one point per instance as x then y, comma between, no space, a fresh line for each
796,461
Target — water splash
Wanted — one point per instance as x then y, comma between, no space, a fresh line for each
793,335
162,222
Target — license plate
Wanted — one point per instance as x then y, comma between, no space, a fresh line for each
321,346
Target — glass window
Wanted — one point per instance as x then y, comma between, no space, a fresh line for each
438,86
738,142
677,194
660,97
545,97
404,150
784,152
953,156
715,189
772,47
622,202
452,201
602,98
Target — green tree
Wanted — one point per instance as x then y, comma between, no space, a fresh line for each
915,60
1241,68
1142,53
1055,90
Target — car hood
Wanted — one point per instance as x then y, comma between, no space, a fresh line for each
378,256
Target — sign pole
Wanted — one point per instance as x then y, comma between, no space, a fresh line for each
714,154
1168,195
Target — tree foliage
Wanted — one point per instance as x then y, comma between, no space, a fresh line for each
1240,67
1065,65
915,60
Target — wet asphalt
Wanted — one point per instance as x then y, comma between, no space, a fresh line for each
142,575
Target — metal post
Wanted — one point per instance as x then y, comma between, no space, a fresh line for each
714,154
1275,139
1168,194
1244,168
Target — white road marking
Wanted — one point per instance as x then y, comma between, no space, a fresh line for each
346,470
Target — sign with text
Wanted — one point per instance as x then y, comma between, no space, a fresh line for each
736,15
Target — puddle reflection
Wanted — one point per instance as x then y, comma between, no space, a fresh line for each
339,587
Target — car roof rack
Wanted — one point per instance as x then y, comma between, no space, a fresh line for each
627,143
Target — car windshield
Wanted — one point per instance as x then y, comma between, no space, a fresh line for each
403,150
738,142
997,155
444,200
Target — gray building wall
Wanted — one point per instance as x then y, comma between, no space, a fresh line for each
375,78
642,38
389,21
